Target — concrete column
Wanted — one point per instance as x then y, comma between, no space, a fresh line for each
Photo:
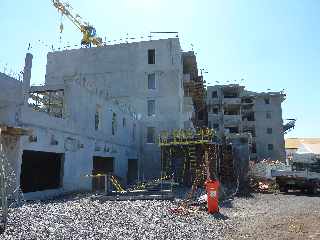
27,77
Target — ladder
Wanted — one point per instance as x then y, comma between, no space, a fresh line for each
116,184
193,160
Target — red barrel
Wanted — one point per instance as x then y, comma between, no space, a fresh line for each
212,187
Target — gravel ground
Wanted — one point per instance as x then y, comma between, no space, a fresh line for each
81,218
274,216
261,216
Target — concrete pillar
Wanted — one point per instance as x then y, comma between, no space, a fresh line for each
27,76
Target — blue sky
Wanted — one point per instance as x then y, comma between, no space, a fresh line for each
272,44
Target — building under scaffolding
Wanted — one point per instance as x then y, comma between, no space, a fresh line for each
193,86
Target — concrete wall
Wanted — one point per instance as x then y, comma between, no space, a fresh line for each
75,135
13,90
121,72
79,140
10,99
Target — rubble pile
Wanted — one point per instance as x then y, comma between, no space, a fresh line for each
81,218
263,168
260,175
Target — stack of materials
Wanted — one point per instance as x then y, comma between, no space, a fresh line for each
260,174
262,169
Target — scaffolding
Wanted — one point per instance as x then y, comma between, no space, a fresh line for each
48,101
194,87
191,157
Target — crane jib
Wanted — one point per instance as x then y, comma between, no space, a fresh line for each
89,32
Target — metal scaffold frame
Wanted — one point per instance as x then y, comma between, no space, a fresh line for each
191,157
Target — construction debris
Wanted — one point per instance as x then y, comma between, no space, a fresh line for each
263,168
264,185
260,176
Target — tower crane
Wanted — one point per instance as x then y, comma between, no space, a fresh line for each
89,32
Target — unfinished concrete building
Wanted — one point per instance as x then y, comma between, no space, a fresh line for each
147,75
194,90
74,129
232,111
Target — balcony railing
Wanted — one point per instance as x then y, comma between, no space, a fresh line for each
231,100
231,119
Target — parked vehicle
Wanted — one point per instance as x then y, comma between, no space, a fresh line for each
304,176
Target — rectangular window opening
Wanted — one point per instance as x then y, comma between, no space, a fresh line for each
214,94
97,118
151,107
152,81
268,115
267,100
114,123
215,110
269,130
270,147
151,56
254,148
134,132
151,134
50,102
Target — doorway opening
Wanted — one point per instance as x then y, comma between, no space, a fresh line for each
41,171
101,165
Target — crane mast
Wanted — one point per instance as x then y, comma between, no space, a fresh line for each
89,32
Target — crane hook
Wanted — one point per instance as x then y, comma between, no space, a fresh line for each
61,27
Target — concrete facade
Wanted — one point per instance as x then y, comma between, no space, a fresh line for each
91,125
147,75
233,110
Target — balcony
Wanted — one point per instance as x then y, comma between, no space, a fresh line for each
247,100
215,117
213,101
249,124
231,101
231,120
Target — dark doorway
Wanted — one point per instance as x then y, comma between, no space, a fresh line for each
101,165
41,171
132,174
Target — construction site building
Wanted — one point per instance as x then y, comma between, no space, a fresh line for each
74,130
234,111
148,75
